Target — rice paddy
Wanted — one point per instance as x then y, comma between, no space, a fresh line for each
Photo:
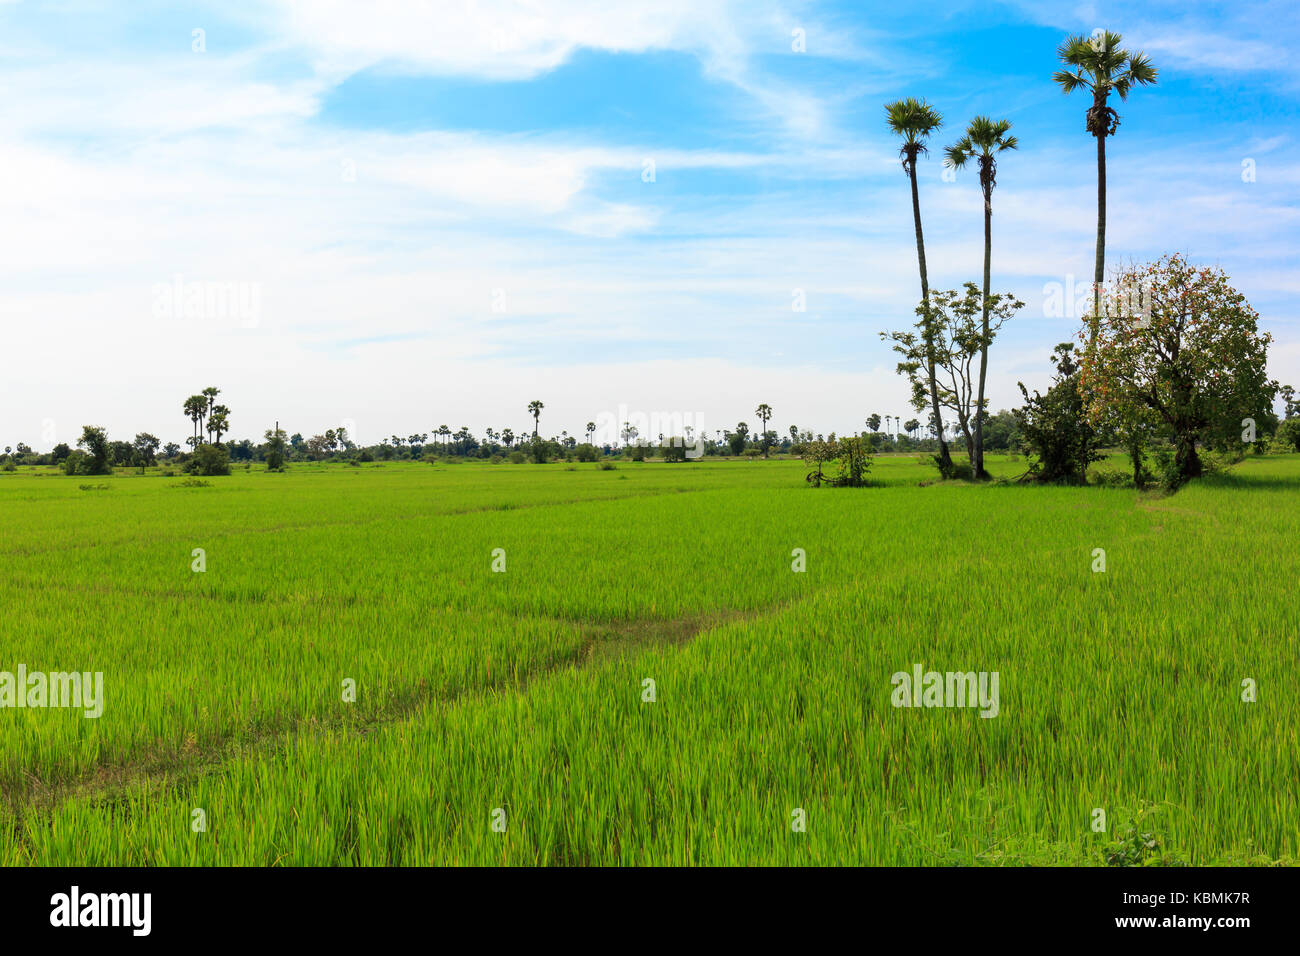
496,664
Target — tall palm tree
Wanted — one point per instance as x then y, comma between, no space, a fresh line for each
196,407
1100,65
915,120
535,409
211,393
984,139
764,413
591,430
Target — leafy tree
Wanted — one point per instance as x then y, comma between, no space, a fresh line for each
873,422
318,447
984,140
171,450
97,448
915,120
738,438
1193,357
950,331
1056,430
144,450
1101,66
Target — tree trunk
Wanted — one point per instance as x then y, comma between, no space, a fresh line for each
1135,450
977,460
1099,267
1187,463
945,458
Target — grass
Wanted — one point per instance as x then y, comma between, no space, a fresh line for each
523,690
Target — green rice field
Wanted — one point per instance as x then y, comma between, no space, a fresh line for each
505,716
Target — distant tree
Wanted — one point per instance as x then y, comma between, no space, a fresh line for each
873,422
1291,407
144,450
535,409
739,438
317,447
196,408
591,430
209,460
764,413
94,440
507,436
218,421
275,449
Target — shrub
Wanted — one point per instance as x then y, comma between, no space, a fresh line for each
209,460
587,453
517,458
606,466
72,464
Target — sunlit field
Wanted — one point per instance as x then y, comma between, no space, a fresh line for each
645,678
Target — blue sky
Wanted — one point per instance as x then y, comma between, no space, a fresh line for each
435,213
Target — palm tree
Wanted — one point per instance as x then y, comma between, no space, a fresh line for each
219,421
1101,66
764,413
591,430
915,120
211,393
984,139
196,407
535,409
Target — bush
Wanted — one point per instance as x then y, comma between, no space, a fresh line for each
606,466
209,460
674,450
73,463
1287,437
587,453
517,458
853,455
1055,427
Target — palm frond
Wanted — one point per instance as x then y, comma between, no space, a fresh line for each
957,154
1070,81
913,119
